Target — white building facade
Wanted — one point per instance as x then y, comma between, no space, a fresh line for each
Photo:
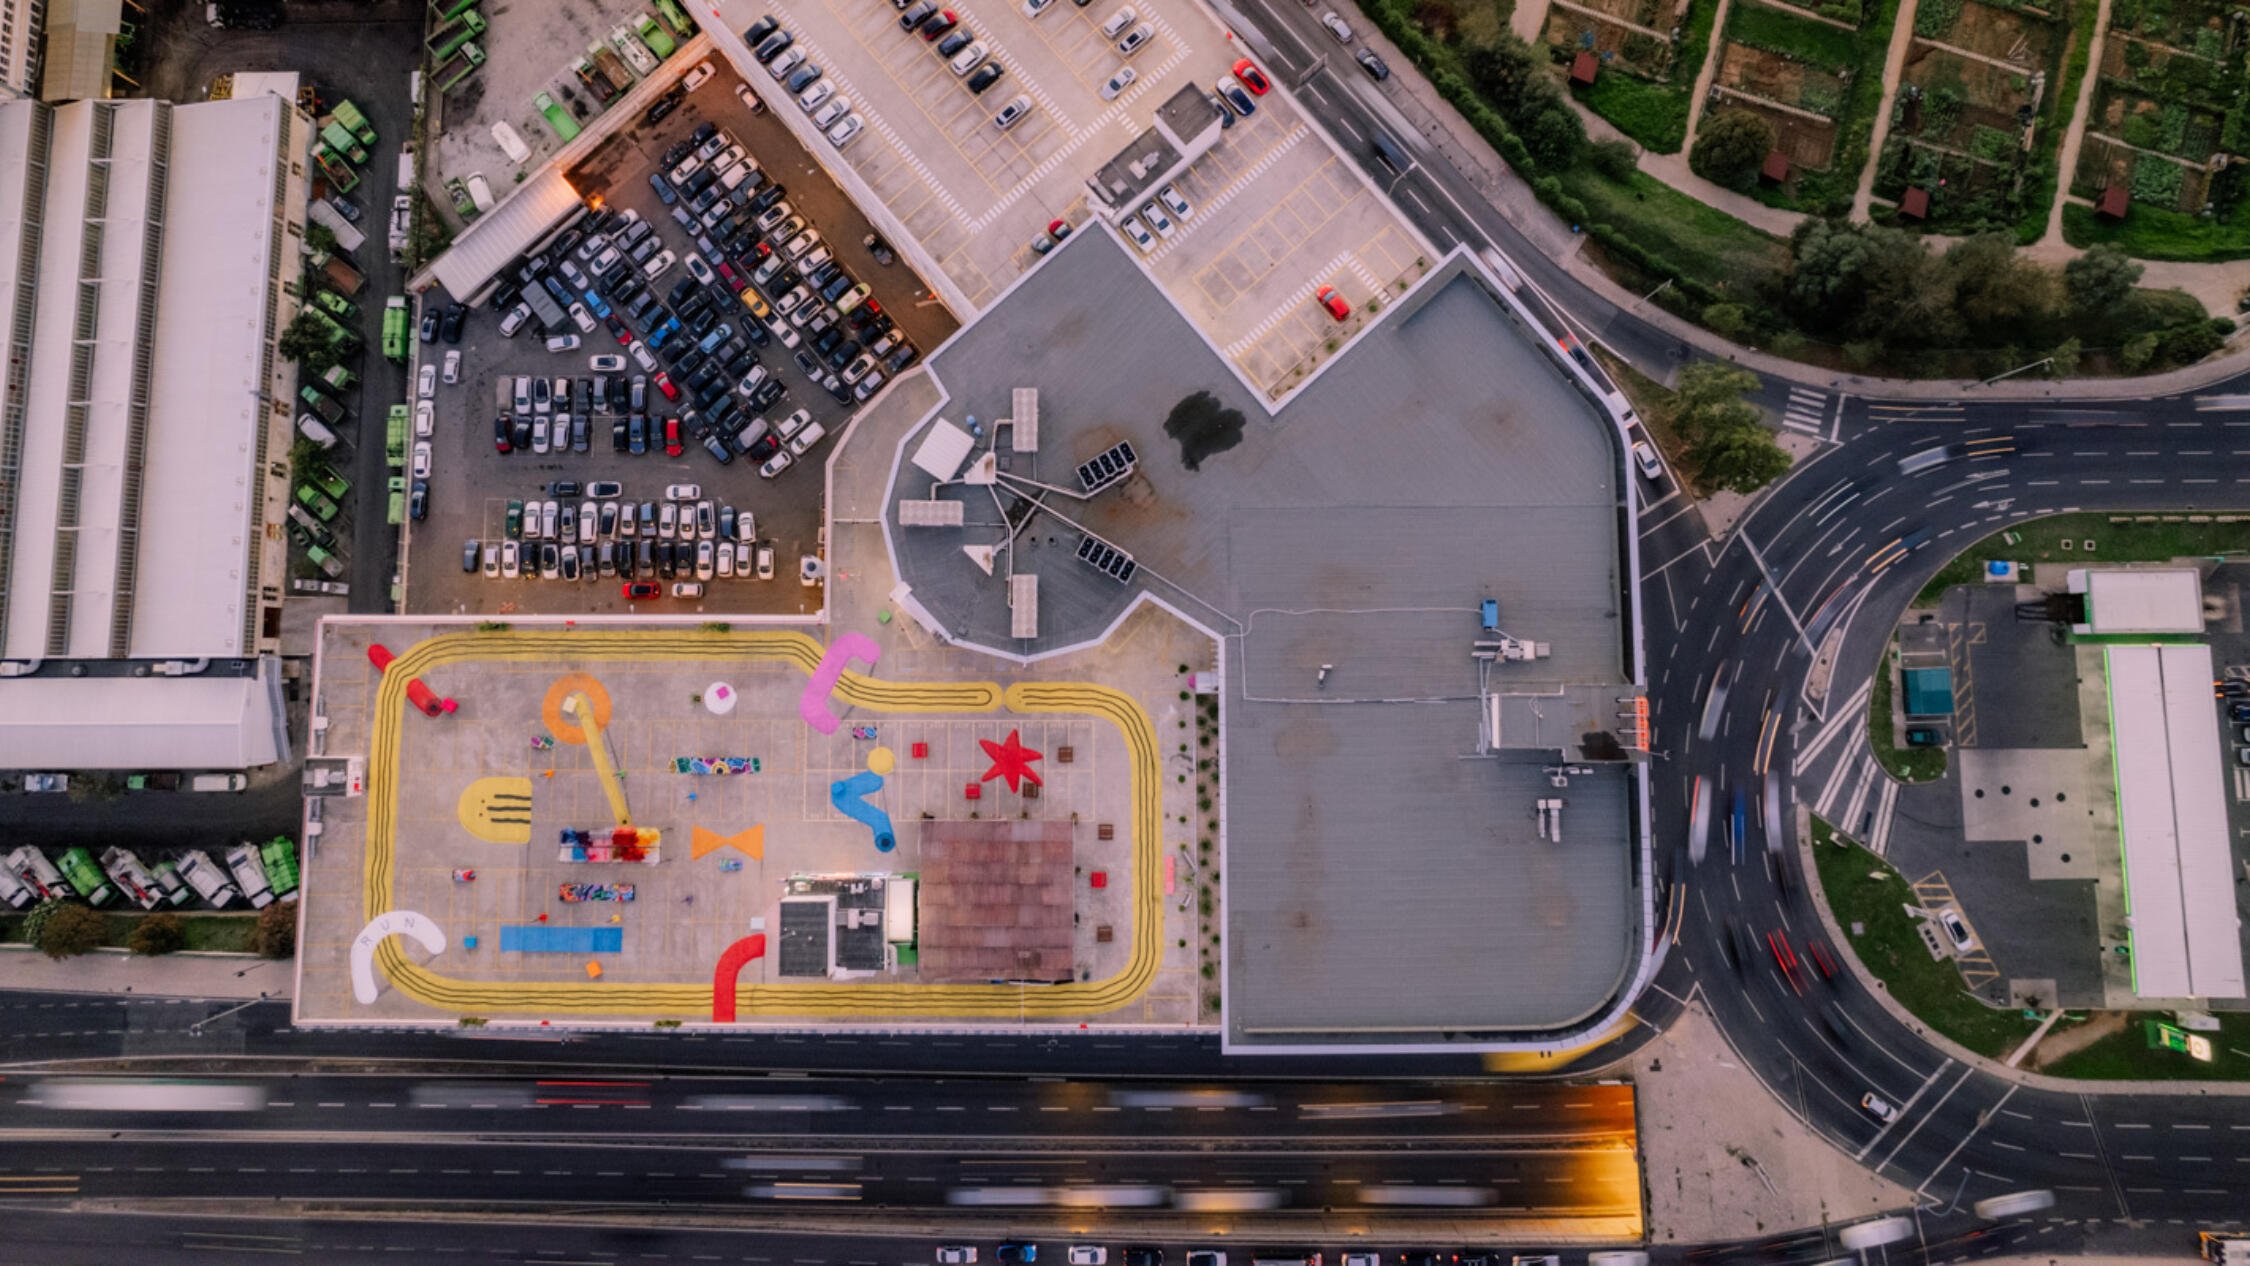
153,252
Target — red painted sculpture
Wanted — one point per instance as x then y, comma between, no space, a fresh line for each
1011,760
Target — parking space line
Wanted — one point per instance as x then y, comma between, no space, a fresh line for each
1234,189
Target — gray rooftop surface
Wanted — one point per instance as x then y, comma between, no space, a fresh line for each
1441,461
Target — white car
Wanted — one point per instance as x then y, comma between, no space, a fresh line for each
1012,113
606,363
422,460
831,112
683,492
511,559
725,561
776,464
491,561
564,343
789,59
1878,1107
1169,195
697,77
643,357
765,562
1134,229
810,436
539,434
742,554
1119,82
548,510
1135,40
957,1255
1116,22
581,318
587,519
1157,220
426,382
1088,1255
667,521
706,563
659,263
1645,457
514,321
691,588
811,98
425,419
453,366
699,270
846,128
1033,8
966,60
1336,27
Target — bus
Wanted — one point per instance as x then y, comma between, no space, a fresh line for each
395,331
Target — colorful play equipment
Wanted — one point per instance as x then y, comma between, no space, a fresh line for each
850,799
420,695
751,842
882,760
404,923
718,698
812,705
729,969
617,845
464,875
1010,760
721,765
863,731
580,708
572,894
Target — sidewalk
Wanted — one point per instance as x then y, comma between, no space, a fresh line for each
183,975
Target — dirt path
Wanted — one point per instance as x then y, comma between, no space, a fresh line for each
2073,1040
1894,67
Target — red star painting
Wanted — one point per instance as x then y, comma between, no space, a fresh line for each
1010,760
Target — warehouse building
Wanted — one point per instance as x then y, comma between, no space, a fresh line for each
144,430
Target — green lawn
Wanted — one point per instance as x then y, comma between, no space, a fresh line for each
2040,179
1651,113
2041,541
1697,238
1911,764
2126,1056
2159,233
1830,191
1814,43
230,932
1864,892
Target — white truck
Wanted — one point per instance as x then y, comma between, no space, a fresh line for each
402,222
347,233
204,875
13,891
218,782
30,865
125,870
250,875
168,878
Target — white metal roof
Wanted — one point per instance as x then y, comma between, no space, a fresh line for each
497,237
2140,599
942,451
136,723
2172,823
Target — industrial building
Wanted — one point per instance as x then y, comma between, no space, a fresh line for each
144,430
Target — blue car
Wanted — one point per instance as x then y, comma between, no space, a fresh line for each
657,336
663,188
596,305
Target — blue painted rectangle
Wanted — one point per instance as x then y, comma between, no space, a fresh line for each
547,938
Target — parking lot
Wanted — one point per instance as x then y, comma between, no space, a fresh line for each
1276,214
973,194
472,484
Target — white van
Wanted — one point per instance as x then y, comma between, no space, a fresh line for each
2015,1204
317,431
218,782
1875,1233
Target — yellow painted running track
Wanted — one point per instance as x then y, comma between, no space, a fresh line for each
690,999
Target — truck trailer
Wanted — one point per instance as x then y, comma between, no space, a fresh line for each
204,875
250,875
132,878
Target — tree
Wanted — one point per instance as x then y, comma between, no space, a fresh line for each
305,341
2098,280
2063,361
1730,147
276,933
159,933
1728,444
1617,160
1996,289
71,930
319,238
1554,134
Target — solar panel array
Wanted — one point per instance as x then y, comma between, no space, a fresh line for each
1111,465
1108,560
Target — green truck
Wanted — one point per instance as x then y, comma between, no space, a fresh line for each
395,333
336,305
336,380
448,39
313,499
348,114
394,439
342,143
558,119
330,412
658,40
682,25
79,869
339,174
397,513
327,562
280,857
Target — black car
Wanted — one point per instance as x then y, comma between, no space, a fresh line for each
582,391
764,447
841,355
900,357
580,437
680,291
1373,64
522,432
802,78
767,392
922,12
704,131
420,501
772,194
758,332
986,76
679,150
773,46
429,326
717,448
807,362
662,187
645,556
564,488
449,325
836,388
1139,1256
880,249
760,29
636,434
469,553
503,435
947,47
826,341
837,286
617,438
663,108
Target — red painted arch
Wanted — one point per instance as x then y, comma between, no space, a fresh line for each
731,963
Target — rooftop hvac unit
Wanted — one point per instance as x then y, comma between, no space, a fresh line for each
1107,559
1108,467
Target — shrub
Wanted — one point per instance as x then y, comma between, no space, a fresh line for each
1614,159
276,934
159,933
1729,148
71,930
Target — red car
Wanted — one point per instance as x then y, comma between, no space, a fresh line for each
1251,77
501,437
671,436
664,384
636,590
1058,229
1329,299
618,328
726,272
935,28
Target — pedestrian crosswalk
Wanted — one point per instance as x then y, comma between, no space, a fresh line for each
1806,412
